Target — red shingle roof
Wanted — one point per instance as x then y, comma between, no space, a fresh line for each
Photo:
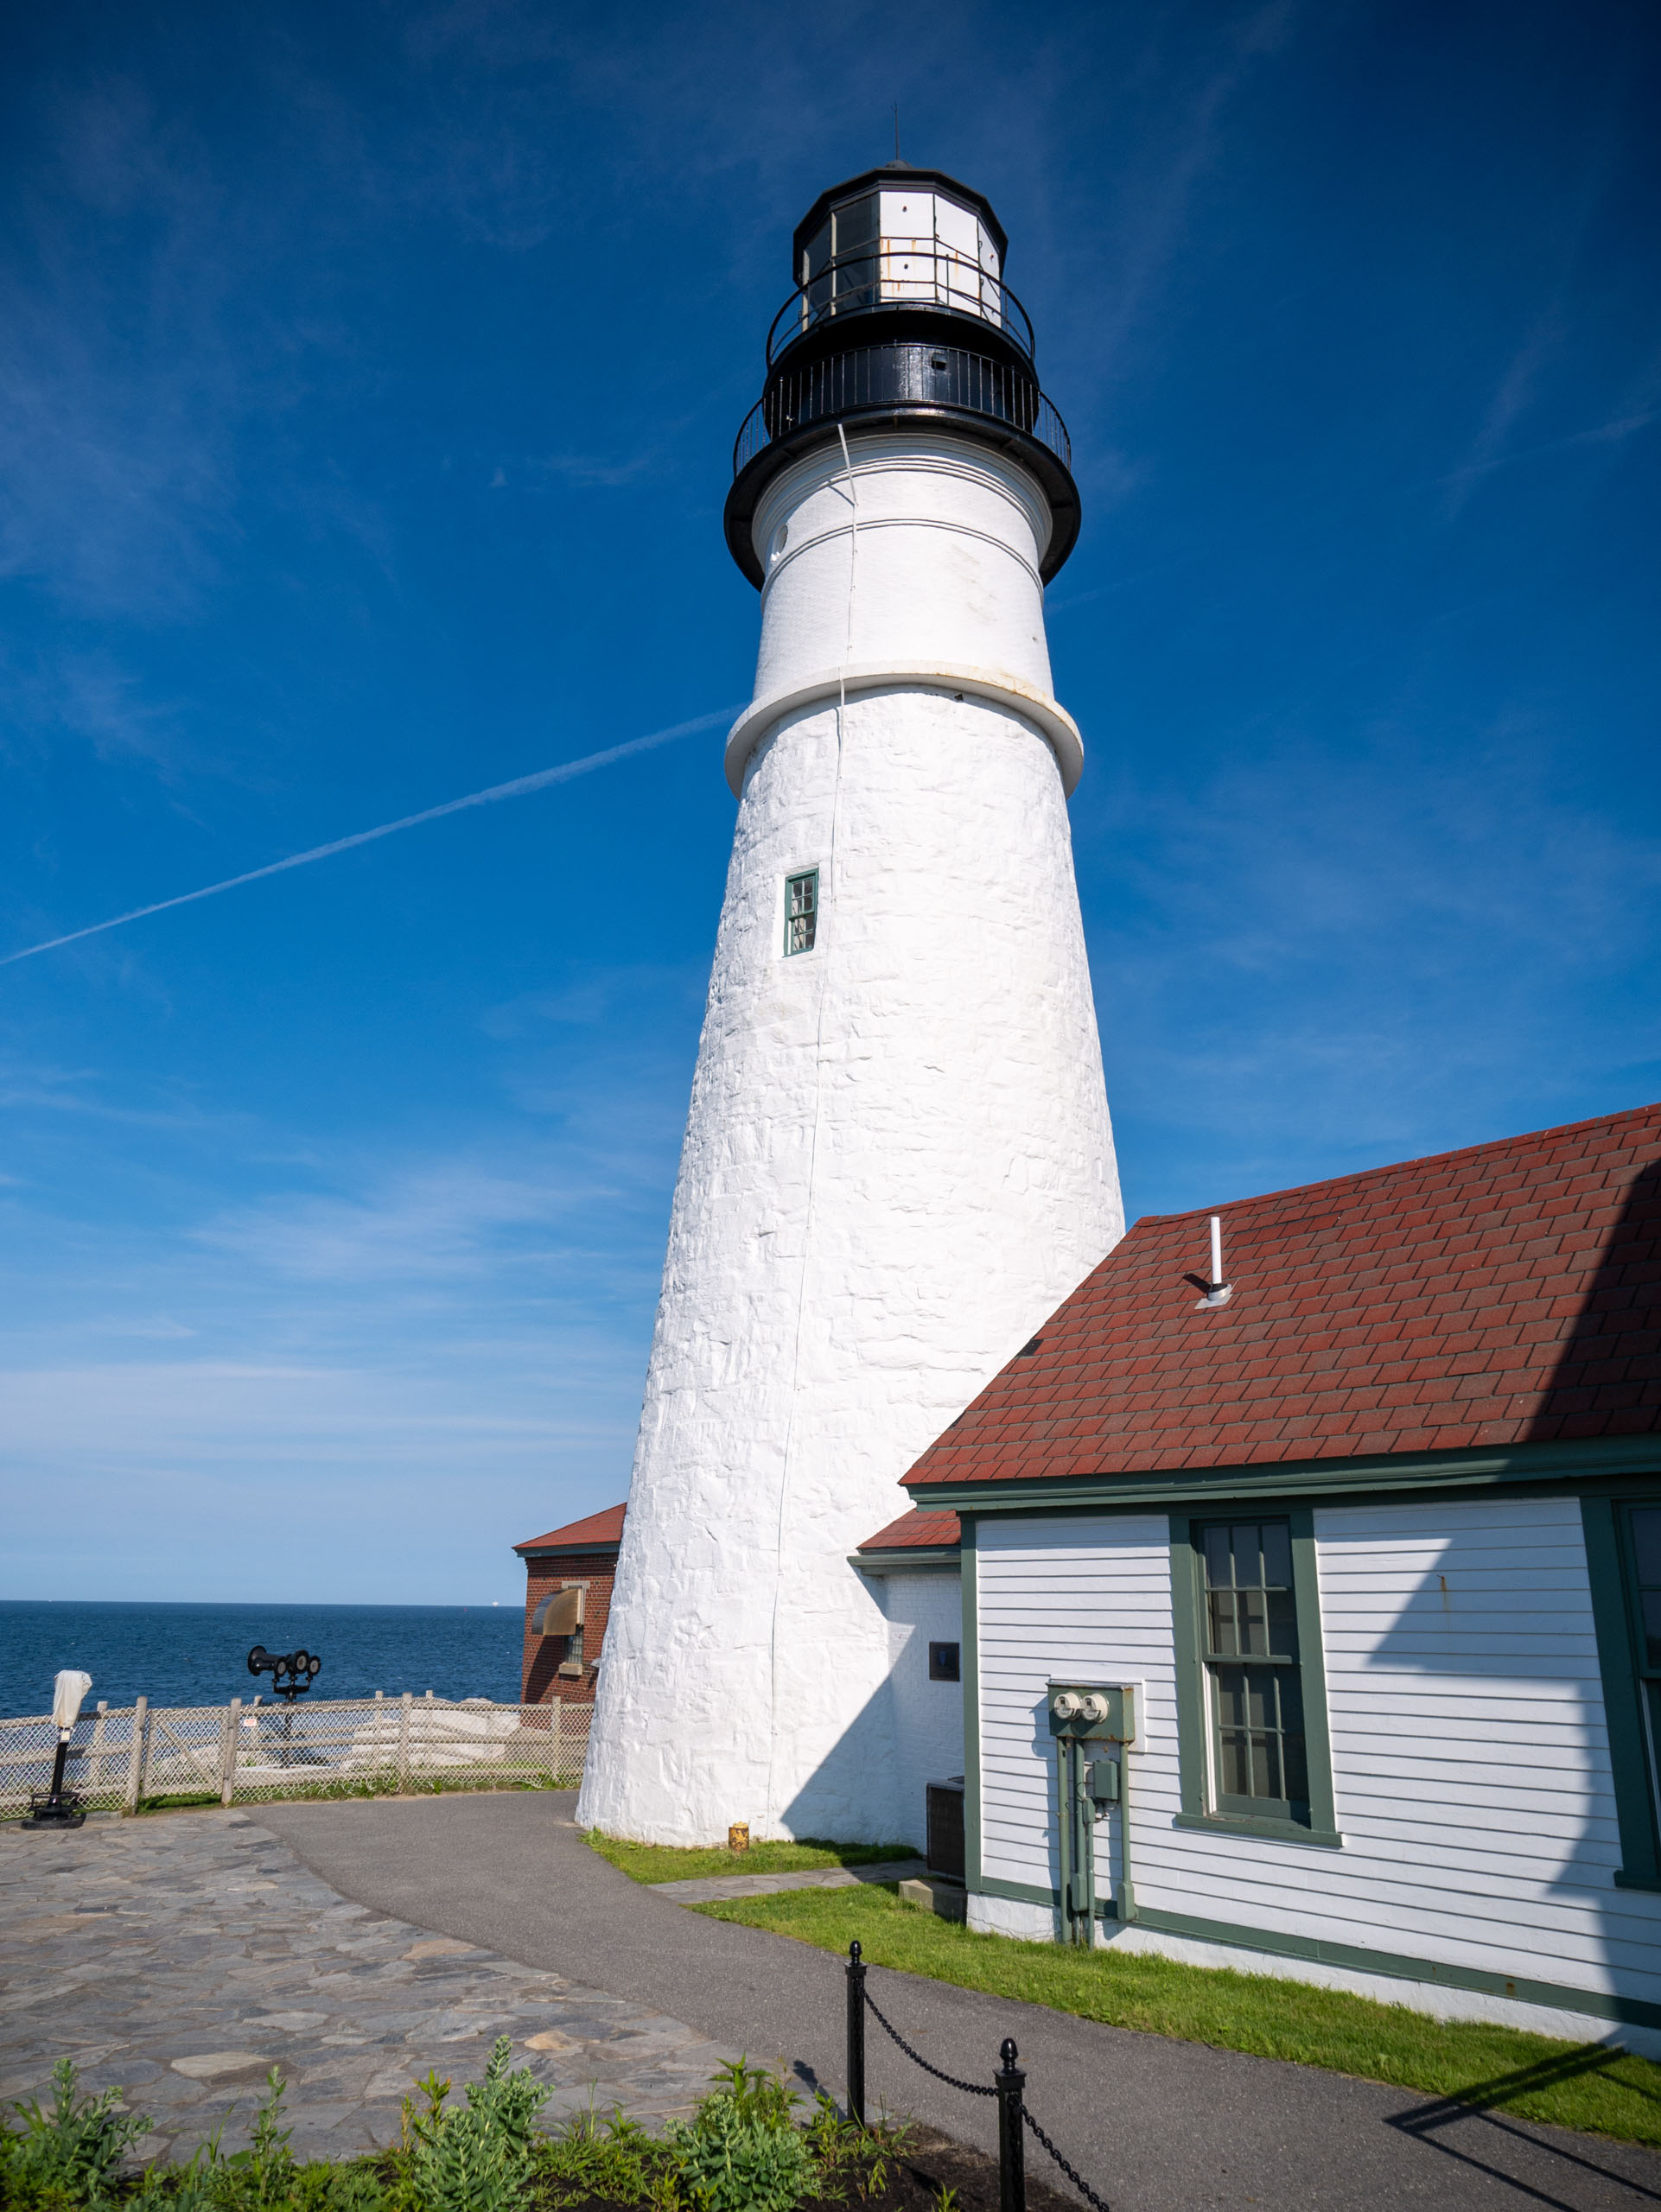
1504,1294
916,1531
596,1533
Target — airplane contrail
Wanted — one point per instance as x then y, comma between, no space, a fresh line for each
520,785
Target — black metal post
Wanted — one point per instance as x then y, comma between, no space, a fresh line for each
60,1759
1009,2080
855,2034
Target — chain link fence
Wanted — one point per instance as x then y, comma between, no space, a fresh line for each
248,1753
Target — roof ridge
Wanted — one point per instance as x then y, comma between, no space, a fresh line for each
1396,1166
1494,1295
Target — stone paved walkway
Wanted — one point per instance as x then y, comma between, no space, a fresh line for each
182,1956
709,1889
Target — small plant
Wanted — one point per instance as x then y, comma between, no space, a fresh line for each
614,2159
743,2152
847,2154
262,2178
481,2157
68,2151
754,2091
728,2163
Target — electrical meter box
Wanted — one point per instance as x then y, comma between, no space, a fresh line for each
1096,1713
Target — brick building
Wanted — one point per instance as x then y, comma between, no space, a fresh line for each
568,1575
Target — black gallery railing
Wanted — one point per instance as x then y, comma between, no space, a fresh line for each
913,374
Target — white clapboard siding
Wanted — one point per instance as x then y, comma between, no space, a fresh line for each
1470,1756
1088,1597
921,1609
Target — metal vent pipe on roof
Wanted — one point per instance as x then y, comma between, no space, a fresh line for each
1217,1292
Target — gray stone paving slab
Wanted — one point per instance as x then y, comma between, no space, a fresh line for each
183,1956
710,1889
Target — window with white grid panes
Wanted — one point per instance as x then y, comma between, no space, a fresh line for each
1254,1688
801,910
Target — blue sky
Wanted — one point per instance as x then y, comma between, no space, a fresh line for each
368,380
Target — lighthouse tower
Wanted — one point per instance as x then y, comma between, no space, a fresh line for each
898,1159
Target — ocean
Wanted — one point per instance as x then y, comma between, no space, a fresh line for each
198,1654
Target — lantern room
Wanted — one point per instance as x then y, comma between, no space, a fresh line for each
898,237
901,318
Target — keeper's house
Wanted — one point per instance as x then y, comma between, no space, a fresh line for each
1376,1539
568,1583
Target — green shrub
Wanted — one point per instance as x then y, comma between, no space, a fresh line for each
66,2153
614,2158
479,2159
742,2151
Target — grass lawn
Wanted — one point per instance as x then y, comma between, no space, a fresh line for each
667,1862
1568,2085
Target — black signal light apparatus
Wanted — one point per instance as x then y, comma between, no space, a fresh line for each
292,1673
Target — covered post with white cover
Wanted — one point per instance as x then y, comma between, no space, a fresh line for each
60,1806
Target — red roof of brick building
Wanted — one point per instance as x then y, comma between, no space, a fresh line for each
1504,1294
600,1532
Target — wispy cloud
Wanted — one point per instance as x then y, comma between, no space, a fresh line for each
116,427
1315,965
518,787
360,1339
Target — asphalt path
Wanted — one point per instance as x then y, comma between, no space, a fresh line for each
1154,2125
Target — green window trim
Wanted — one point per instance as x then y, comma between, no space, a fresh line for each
1267,1830
968,1660
1609,1571
801,910
1189,1622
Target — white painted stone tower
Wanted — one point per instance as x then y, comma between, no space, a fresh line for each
898,1159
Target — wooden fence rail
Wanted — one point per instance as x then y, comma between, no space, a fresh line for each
245,1753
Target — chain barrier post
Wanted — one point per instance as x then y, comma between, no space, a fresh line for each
1009,2081
856,2033
1008,2085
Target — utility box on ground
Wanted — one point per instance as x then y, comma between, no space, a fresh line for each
946,1829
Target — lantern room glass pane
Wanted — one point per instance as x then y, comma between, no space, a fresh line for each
854,274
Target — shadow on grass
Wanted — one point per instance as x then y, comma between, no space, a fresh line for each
1475,2106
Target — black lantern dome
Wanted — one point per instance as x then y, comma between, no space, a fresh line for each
900,315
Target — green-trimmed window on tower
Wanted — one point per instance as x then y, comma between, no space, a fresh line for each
1254,1688
801,910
